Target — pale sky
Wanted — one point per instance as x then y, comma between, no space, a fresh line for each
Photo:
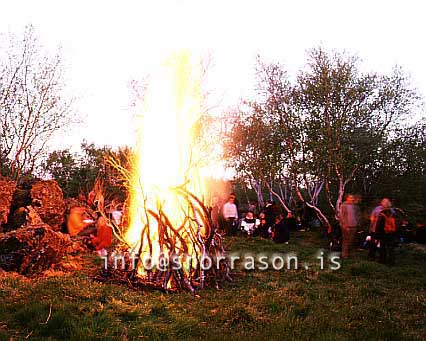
108,43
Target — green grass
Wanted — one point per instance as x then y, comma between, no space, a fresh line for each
363,300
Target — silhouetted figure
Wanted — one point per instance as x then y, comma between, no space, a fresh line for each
269,213
291,221
385,235
280,230
385,203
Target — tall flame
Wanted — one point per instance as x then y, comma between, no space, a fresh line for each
167,158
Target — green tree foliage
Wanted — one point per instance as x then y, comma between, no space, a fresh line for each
316,135
349,115
399,169
77,173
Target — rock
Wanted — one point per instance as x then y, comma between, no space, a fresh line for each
24,216
48,201
36,200
7,188
32,249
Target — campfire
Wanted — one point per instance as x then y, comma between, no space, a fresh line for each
169,240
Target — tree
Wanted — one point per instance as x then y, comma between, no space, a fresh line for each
33,106
317,134
62,166
77,173
266,143
348,116
401,172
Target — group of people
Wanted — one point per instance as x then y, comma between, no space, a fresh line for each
268,223
382,232
94,229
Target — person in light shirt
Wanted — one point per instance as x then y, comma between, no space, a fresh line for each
230,214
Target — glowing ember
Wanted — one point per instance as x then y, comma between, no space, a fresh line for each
166,218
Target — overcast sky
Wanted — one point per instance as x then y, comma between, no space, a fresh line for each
108,43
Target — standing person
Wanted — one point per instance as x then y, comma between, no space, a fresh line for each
269,213
236,201
291,221
385,203
385,234
230,214
349,219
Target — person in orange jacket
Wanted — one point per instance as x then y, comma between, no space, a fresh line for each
103,238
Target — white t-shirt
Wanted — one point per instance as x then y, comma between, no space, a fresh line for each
250,227
230,211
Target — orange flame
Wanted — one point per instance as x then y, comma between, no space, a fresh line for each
167,158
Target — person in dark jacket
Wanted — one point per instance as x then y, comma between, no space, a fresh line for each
269,213
280,230
263,227
291,221
385,235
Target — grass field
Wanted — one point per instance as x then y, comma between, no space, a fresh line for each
362,300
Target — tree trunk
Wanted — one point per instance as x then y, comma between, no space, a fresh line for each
339,197
257,186
272,192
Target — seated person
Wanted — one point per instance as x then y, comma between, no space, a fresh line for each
249,224
291,222
103,238
77,220
263,228
280,230
95,234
